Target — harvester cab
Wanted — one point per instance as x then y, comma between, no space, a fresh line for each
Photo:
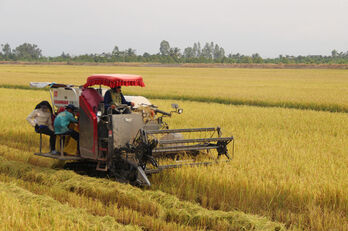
130,144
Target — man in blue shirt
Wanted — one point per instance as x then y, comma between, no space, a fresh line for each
62,122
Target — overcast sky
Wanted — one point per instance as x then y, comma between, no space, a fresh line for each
267,27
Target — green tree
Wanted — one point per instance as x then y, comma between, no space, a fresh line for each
197,49
219,52
207,51
28,51
189,53
115,52
334,53
256,58
146,55
130,52
175,53
65,56
6,51
164,48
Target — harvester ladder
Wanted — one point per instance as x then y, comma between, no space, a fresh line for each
102,155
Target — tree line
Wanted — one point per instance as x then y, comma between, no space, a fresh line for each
210,52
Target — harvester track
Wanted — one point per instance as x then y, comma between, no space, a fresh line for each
85,168
88,168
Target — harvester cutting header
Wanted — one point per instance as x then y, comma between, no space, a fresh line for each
126,136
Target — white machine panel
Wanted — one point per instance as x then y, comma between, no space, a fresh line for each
61,96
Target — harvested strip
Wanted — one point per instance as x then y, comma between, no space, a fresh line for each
95,207
23,210
154,203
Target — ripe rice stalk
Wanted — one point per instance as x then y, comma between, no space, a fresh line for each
23,210
153,203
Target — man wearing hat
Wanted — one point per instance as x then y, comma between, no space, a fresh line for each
114,97
41,120
62,122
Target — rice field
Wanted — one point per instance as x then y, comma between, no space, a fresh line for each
289,172
297,88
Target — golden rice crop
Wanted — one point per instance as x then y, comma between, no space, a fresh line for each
290,165
23,210
122,214
296,88
161,206
154,210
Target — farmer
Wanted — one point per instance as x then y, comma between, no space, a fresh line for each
41,120
62,122
114,98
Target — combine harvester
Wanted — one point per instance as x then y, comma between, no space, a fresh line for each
128,143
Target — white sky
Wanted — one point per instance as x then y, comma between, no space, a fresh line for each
268,27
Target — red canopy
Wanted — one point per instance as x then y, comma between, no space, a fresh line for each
114,80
